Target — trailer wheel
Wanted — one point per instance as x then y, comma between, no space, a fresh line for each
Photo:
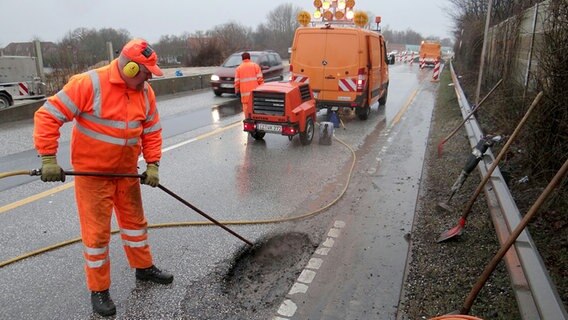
4,101
307,136
257,135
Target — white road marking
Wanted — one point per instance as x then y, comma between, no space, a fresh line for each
298,288
307,276
314,263
334,233
339,224
288,307
328,242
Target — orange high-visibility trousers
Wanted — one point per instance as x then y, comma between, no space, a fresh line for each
96,198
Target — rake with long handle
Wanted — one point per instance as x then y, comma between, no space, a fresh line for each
449,136
455,231
512,238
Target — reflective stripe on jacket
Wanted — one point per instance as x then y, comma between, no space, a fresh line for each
113,124
248,76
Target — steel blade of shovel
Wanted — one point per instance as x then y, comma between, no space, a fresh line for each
455,231
494,165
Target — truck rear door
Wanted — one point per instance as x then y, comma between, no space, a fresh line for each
376,62
341,65
307,56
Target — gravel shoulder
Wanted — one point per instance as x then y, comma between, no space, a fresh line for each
441,275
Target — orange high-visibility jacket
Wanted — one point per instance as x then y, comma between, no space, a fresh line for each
248,76
113,124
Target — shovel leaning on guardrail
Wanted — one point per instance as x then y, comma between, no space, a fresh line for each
457,230
449,136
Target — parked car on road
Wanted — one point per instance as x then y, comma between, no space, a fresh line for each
223,79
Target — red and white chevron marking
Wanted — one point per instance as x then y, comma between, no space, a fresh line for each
347,84
24,91
300,78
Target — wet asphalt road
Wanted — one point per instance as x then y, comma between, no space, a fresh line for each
345,263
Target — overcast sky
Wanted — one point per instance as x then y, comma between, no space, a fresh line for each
50,20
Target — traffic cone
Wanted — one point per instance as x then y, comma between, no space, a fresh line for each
436,72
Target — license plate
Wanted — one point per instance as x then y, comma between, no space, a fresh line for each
227,85
269,127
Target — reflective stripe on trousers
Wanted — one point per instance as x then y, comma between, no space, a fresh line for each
96,198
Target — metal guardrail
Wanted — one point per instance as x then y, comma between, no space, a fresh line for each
535,292
161,86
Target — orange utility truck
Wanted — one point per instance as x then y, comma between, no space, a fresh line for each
346,65
284,108
430,51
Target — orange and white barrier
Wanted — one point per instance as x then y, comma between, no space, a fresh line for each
422,62
412,58
436,73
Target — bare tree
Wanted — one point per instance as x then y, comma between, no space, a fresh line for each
205,50
278,31
233,36
173,50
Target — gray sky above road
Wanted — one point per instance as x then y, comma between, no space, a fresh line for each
50,20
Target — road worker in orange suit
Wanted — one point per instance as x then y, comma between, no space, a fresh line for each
116,120
248,76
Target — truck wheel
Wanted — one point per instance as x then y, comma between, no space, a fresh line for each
257,135
4,101
363,112
217,93
383,99
307,136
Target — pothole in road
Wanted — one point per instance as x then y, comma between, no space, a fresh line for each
253,283
265,272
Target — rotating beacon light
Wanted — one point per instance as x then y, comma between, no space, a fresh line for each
304,18
338,10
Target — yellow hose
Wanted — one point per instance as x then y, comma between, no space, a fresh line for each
15,173
189,223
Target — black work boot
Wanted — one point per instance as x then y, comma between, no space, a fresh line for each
102,303
155,275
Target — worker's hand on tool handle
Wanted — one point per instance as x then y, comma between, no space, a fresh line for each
151,176
50,170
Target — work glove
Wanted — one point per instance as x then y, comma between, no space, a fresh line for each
50,170
151,176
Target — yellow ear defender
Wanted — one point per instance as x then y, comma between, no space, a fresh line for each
131,69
